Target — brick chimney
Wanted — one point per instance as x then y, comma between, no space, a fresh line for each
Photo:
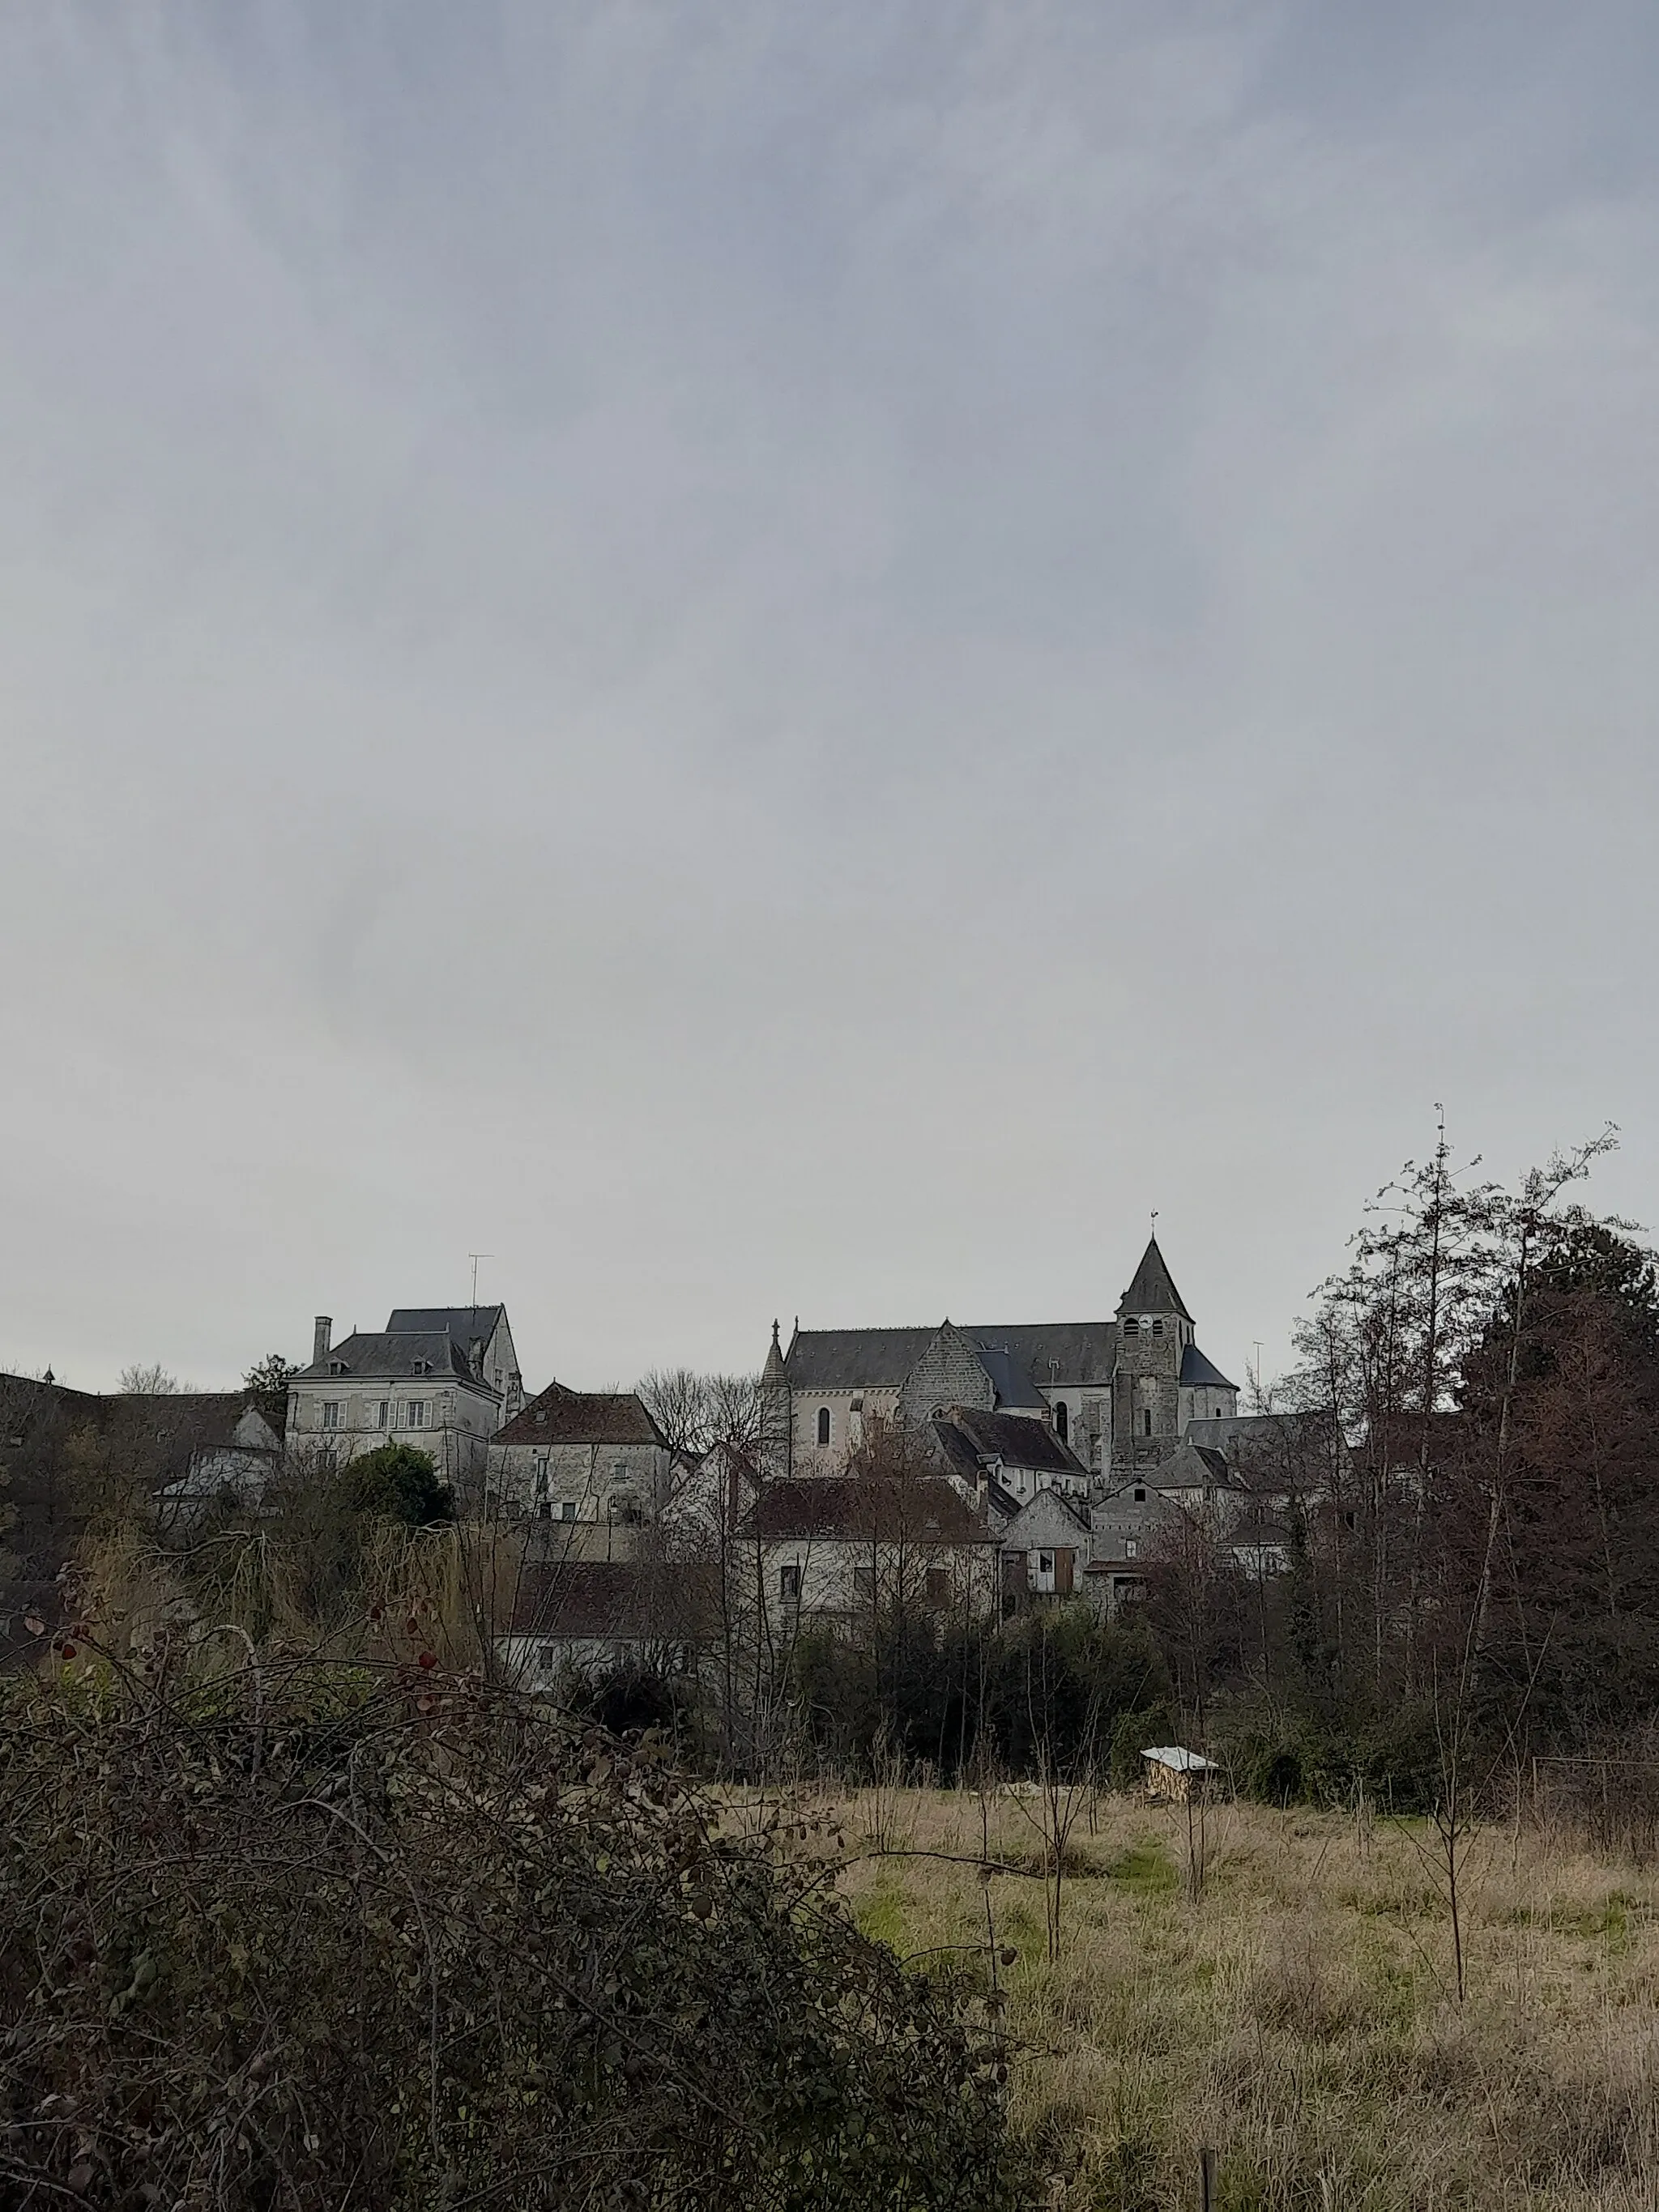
320,1342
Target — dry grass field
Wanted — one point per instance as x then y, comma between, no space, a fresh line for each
1300,2013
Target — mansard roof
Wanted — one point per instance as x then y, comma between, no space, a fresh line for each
394,1356
1153,1291
1197,1371
1048,1352
582,1417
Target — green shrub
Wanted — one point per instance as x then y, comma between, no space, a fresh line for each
397,1483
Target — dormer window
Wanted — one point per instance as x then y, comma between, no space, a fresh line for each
337,1367
423,1367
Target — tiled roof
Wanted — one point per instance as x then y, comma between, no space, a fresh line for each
627,1599
918,1509
582,1417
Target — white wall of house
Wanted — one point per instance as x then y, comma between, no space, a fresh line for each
835,1580
348,1415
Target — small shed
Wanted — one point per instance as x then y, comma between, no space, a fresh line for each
1174,1772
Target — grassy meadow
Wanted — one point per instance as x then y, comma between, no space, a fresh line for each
1299,2014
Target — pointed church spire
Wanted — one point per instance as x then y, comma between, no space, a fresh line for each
1153,1291
774,1370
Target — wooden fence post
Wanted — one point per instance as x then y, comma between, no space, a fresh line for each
1206,2181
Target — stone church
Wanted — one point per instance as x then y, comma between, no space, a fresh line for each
1118,1394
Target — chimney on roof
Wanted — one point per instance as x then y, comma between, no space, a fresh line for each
324,1331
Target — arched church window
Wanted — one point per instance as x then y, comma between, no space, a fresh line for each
824,1425
1131,1326
1147,1417
1158,1329
1062,1419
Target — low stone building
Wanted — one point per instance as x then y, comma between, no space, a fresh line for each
1046,1547
580,1455
840,1551
582,1618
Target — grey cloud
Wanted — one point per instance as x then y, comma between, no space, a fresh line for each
773,661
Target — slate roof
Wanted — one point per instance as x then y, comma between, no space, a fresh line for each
881,1359
1048,1504
922,1510
625,1601
1259,1430
466,1324
1013,1386
1153,1290
1179,1472
582,1417
1011,1437
395,1356
1195,1369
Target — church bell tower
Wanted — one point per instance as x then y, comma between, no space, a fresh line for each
1154,1329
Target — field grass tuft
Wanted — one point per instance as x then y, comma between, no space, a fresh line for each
1298,2012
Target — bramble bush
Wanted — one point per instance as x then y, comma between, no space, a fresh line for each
296,1935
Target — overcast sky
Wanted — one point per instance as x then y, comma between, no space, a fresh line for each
772,659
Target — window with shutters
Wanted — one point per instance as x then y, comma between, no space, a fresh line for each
415,1414
331,1412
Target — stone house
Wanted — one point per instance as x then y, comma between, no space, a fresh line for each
574,1618
580,1455
1021,1457
234,1454
442,1378
839,1551
1046,1547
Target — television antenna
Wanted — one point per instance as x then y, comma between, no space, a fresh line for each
474,1257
